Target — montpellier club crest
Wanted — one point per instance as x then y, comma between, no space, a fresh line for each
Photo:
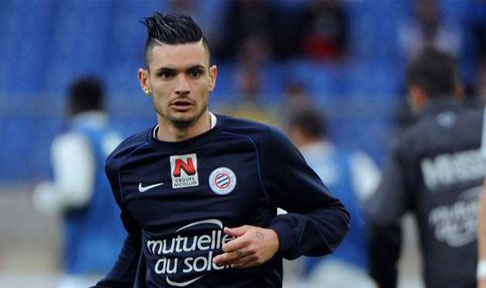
222,180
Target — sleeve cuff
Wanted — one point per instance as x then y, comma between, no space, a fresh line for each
284,229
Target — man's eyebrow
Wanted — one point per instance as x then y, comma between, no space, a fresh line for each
169,69
164,69
197,66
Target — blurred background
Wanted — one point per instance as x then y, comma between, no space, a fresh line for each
344,58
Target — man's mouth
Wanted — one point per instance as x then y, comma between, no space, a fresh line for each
182,105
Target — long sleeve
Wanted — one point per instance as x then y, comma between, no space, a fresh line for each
317,221
392,198
124,272
384,249
73,168
365,175
384,210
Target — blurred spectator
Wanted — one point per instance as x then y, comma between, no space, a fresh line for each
473,56
296,97
326,37
434,171
248,23
351,176
426,29
249,104
205,13
476,25
288,26
79,190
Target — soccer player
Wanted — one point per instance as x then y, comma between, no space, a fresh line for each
352,176
199,192
78,192
434,171
481,270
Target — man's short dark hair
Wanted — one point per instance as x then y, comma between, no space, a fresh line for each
310,121
85,94
433,71
171,29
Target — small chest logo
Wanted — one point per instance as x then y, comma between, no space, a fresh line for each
184,171
222,180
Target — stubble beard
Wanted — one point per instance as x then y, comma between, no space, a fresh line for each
178,122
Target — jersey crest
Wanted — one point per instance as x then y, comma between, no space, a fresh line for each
222,181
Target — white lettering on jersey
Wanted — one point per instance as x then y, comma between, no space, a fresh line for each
456,224
447,169
170,248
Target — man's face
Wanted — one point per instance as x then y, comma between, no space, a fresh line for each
179,79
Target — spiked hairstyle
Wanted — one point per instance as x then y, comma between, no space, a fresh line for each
171,29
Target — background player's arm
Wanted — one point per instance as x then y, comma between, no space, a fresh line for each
124,271
73,172
482,240
482,219
384,210
365,175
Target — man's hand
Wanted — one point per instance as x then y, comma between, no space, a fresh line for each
482,283
253,246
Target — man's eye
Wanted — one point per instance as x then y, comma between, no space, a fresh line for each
195,73
166,74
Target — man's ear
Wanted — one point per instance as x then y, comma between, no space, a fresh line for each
459,91
417,97
213,74
144,80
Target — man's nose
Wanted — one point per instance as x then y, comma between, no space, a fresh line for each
182,85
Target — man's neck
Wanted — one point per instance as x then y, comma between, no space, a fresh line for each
170,133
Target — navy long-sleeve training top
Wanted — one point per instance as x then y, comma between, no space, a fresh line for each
176,197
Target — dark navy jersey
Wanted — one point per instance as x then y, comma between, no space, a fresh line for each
435,171
176,197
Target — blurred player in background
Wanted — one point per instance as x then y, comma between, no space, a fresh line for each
481,270
80,191
182,183
351,176
434,171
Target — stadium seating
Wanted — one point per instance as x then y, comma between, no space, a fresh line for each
47,44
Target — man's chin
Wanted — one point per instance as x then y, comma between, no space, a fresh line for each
183,121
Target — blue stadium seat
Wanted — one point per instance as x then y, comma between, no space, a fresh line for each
322,79
373,79
226,90
27,33
273,76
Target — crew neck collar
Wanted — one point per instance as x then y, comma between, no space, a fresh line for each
215,125
436,106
